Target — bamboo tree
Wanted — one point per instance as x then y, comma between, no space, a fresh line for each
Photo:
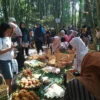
4,3
98,13
80,12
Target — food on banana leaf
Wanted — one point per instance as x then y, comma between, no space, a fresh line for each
27,72
28,82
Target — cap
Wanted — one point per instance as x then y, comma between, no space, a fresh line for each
62,31
11,19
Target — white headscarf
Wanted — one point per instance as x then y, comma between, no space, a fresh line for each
81,50
57,45
78,44
73,33
62,32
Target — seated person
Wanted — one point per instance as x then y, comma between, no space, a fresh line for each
62,33
55,45
87,85
64,45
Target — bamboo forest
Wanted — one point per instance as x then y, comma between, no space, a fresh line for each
49,49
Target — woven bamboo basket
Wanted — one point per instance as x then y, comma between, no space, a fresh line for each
65,57
91,47
4,89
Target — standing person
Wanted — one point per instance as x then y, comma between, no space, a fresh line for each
48,38
88,36
80,50
17,36
83,31
31,37
71,27
6,53
25,38
39,37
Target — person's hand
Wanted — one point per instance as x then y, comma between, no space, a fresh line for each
13,46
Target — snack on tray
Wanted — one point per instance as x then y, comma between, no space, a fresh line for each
65,59
34,63
52,60
28,82
25,95
37,57
27,72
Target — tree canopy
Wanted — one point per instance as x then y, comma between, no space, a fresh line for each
76,12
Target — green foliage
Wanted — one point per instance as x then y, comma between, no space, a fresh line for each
45,11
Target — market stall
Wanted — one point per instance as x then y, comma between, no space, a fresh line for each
42,77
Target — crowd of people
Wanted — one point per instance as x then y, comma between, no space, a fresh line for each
13,36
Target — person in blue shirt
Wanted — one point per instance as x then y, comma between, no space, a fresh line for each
39,37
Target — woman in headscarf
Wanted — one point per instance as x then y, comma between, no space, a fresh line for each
87,85
39,37
80,50
55,45
72,35
25,38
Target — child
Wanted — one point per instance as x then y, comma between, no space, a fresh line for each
64,45
15,63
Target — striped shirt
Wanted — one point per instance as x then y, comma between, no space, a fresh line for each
76,91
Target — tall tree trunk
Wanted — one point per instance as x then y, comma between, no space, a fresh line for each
73,12
92,23
98,12
80,13
4,3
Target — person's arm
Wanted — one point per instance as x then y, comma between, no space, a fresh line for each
6,50
3,51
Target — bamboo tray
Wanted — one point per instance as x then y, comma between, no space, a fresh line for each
69,77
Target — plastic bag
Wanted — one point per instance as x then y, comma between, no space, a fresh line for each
14,66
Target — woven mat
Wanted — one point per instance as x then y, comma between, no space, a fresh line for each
69,77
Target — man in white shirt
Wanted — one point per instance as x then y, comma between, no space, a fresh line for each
16,29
